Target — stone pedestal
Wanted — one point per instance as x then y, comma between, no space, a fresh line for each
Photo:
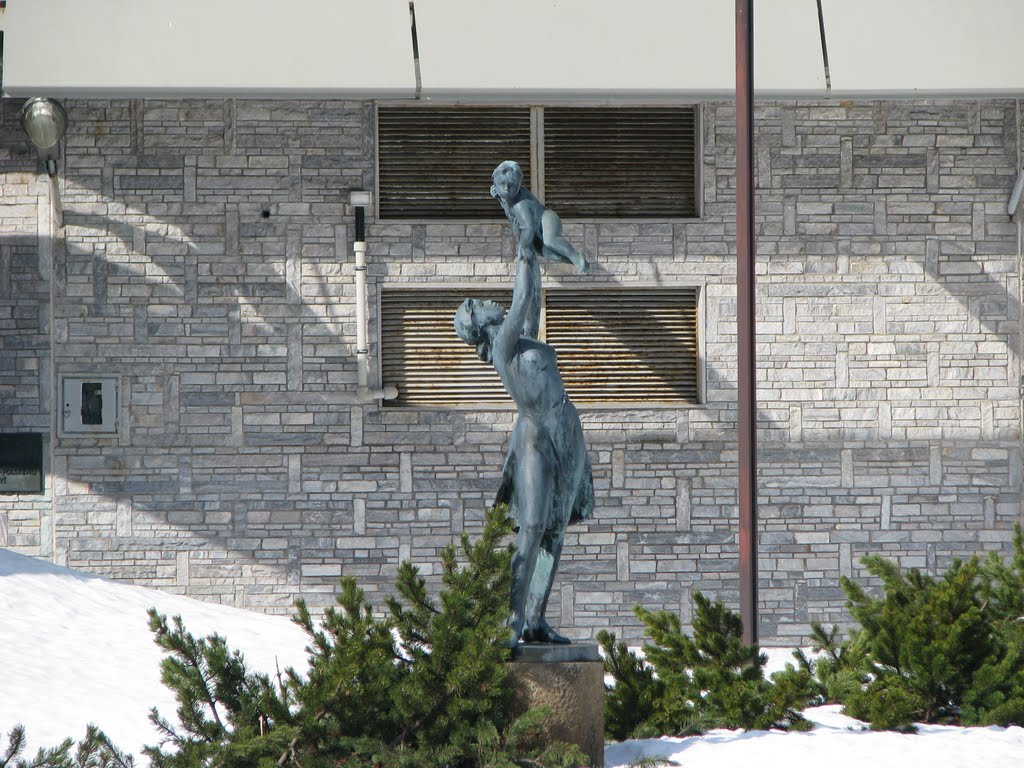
570,680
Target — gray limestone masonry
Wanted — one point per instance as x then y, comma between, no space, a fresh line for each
206,262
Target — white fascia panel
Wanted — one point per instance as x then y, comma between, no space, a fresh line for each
939,48
359,48
609,49
527,50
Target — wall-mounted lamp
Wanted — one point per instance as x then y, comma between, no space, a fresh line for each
360,199
46,122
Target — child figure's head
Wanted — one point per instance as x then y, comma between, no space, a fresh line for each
506,180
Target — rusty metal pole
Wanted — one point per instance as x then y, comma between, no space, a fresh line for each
746,334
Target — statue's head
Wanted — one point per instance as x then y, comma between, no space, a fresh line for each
506,180
472,320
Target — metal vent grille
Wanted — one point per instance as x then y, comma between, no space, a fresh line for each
626,346
436,163
613,345
621,162
422,355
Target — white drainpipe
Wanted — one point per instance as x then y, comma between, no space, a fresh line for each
364,393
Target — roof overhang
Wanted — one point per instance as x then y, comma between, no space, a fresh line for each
495,50
110,48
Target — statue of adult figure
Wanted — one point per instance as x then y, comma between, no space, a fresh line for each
547,480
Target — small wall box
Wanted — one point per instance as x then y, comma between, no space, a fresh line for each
89,405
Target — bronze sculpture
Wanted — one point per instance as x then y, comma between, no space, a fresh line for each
546,480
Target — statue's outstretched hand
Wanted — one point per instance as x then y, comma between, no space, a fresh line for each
529,255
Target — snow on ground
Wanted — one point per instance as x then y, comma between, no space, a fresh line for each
837,741
76,649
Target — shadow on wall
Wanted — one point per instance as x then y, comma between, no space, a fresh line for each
242,470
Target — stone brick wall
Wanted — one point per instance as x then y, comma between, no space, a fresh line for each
206,261
26,362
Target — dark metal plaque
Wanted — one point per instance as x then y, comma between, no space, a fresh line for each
21,462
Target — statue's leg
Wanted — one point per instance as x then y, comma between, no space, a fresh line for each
537,627
556,246
533,498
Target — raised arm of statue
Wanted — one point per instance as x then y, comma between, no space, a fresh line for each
528,222
523,318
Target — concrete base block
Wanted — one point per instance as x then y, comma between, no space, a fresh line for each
570,680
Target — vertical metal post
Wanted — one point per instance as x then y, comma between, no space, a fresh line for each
746,358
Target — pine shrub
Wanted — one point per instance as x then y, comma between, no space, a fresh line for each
925,639
420,687
1002,582
838,670
631,702
94,751
227,713
689,685
947,649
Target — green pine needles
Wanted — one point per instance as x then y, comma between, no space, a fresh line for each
688,685
423,686
946,649
94,751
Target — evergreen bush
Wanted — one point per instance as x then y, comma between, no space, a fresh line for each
94,751
689,685
421,687
837,670
946,649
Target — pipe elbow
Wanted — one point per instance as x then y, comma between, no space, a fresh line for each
368,395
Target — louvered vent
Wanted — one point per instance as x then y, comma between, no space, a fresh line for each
625,346
423,356
621,162
613,345
436,163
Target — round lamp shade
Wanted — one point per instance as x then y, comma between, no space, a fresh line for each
45,122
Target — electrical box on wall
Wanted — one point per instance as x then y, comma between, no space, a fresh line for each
89,405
